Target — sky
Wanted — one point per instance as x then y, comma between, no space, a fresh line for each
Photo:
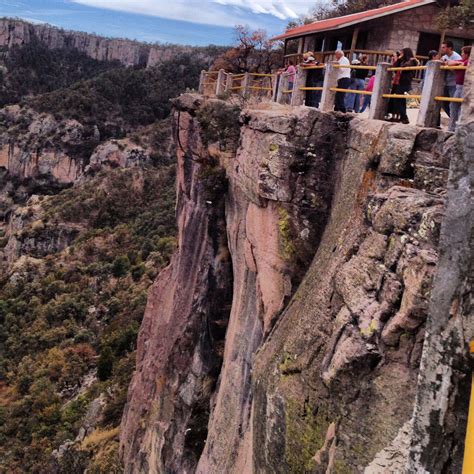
195,22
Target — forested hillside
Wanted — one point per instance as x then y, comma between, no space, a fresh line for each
86,222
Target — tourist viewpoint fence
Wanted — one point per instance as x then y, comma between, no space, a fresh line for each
276,87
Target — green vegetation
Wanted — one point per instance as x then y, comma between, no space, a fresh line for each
286,243
306,429
123,98
33,69
219,123
77,313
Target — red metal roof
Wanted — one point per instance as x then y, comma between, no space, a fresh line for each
347,20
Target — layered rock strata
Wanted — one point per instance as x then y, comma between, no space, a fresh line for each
129,53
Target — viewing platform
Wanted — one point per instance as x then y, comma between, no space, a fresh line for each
276,87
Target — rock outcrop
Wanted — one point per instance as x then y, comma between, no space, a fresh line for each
130,53
39,146
331,225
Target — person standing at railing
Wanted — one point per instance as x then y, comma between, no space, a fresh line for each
290,72
358,77
343,80
315,78
405,84
448,54
458,94
392,113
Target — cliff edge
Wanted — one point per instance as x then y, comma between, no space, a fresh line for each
287,334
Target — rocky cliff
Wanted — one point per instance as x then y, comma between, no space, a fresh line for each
130,53
287,333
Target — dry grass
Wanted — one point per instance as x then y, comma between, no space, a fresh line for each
98,437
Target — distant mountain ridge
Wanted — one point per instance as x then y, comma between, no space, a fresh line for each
16,32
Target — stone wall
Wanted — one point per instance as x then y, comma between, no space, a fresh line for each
403,30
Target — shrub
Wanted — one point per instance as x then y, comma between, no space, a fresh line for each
105,363
120,266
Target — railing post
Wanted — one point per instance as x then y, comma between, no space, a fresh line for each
283,86
275,82
298,97
433,85
202,80
229,83
246,84
220,84
382,85
330,80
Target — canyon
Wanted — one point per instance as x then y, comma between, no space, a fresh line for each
315,316
15,32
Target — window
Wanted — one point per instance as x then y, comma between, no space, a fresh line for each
427,42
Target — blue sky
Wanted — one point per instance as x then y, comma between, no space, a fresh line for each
196,22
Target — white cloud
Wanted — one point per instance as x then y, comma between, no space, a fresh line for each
210,12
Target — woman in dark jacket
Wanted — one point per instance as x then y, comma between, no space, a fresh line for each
407,59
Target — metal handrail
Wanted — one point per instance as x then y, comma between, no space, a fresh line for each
351,66
454,68
407,68
401,96
351,91
319,66
449,99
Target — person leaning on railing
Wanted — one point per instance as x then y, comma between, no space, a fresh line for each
448,54
455,107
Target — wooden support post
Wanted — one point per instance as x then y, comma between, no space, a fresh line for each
355,34
442,38
300,45
220,84
382,85
330,80
298,97
246,84
229,83
202,80
283,86
433,85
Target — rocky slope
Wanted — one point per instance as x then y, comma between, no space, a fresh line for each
331,226
130,53
85,225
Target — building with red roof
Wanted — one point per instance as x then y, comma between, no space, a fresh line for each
377,32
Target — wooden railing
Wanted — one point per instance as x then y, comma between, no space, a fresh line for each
218,83
374,57
279,87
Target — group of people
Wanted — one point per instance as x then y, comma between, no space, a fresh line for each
359,79
454,80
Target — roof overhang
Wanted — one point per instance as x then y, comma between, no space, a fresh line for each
297,33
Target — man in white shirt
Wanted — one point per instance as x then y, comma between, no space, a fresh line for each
343,81
448,54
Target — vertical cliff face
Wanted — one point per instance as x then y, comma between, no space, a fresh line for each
129,53
330,225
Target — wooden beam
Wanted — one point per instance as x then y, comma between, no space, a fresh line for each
300,45
441,40
355,34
